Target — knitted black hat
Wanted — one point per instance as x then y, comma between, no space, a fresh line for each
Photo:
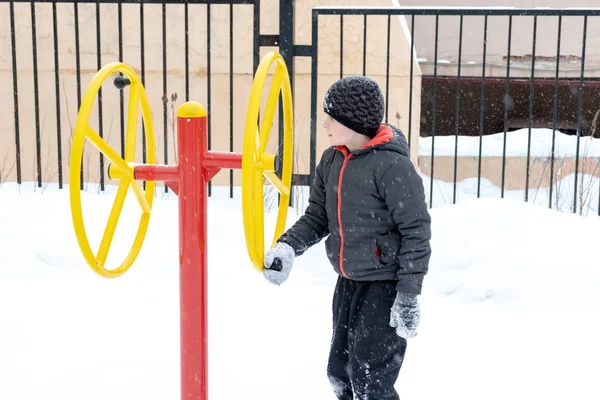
357,103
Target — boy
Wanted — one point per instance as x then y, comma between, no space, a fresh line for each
369,200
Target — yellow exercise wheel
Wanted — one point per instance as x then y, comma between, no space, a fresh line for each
120,169
256,163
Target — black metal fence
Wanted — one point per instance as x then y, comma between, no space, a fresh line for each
469,73
466,98
114,29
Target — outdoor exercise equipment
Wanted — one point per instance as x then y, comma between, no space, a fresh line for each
196,166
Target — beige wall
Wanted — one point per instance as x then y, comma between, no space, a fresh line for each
220,113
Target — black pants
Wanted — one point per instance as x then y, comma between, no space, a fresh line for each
366,353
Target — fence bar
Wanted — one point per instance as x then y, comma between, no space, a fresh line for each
77,55
231,94
341,46
457,114
555,111
165,97
313,94
187,51
531,93
36,97
15,90
506,97
256,34
57,88
580,111
387,71
412,61
286,48
365,45
78,72
143,58
516,81
452,11
257,42
99,65
209,86
482,108
434,108
121,99
323,10
138,1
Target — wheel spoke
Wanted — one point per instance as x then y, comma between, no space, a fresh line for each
132,120
259,217
139,194
105,149
275,181
113,219
267,122
257,150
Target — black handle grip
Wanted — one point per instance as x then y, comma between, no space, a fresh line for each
121,81
276,265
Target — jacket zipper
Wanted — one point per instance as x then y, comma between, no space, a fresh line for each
339,212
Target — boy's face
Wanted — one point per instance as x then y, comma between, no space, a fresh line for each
339,135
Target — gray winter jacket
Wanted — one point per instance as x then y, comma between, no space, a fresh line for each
371,203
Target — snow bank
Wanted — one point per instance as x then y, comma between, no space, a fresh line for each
516,145
564,194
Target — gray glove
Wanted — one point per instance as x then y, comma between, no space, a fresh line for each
405,315
278,263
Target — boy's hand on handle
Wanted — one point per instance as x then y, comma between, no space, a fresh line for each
405,315
278,263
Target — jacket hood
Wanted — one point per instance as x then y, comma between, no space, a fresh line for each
388,137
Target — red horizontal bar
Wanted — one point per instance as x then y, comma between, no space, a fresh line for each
221,159
152,172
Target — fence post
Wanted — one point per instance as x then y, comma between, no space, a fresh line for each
286,49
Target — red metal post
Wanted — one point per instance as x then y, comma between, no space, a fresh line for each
196,166
192,138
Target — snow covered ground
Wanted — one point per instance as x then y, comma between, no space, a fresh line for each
510,308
